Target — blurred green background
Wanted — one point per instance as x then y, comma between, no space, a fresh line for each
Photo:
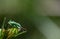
24,12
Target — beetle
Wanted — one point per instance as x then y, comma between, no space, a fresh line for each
14,24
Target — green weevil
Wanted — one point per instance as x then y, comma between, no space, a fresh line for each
14,24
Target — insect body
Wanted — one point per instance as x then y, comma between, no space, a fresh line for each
14,24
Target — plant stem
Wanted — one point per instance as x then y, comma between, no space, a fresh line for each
3,22
2,32
20,33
